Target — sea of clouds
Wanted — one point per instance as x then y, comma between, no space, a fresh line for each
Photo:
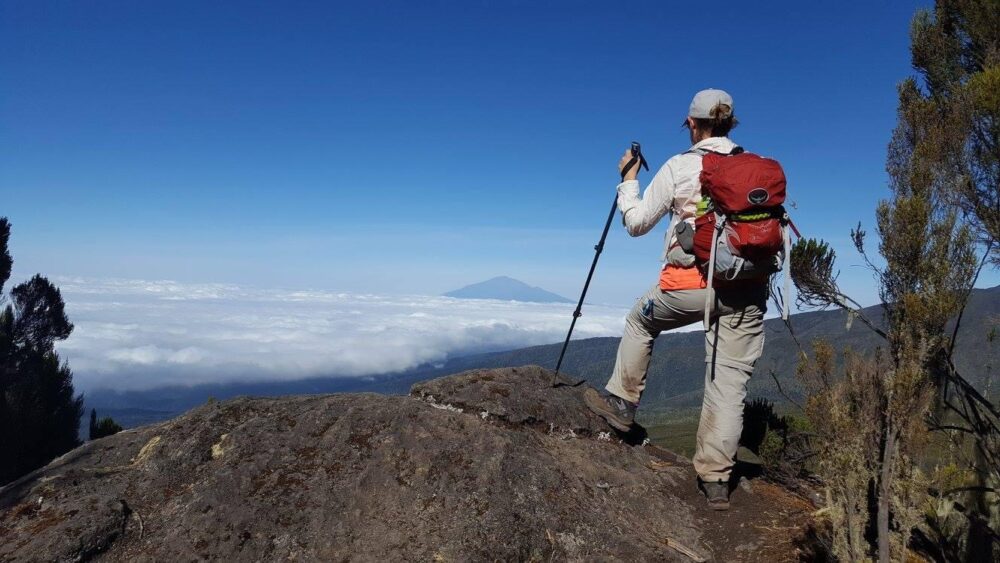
133,334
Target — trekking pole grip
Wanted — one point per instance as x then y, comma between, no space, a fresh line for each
637,158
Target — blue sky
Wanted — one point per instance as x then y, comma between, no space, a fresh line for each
414,146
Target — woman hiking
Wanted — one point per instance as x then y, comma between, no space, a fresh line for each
734,337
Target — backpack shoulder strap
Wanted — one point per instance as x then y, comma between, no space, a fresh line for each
703,151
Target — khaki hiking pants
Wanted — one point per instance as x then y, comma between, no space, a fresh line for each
733,344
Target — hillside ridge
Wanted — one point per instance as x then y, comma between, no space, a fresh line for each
480,466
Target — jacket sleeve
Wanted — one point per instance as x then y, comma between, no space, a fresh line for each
640,214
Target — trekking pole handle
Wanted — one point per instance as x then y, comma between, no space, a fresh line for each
637,158
637,152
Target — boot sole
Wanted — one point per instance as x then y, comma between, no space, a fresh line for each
597,406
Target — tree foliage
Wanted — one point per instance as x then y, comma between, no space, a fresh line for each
99,428
956,52
782,443
39,410
936,231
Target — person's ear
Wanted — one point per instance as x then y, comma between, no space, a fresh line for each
691,123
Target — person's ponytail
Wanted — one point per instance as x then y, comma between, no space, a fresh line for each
720,121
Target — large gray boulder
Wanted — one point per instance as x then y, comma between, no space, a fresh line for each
483,466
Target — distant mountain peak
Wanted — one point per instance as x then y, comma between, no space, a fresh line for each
507,288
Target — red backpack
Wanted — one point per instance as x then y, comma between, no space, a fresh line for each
745,226
747,192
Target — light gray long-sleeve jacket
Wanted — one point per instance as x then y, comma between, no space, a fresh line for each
674,190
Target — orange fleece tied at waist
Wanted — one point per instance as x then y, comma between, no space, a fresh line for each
674,278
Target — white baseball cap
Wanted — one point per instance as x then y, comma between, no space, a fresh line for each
706,100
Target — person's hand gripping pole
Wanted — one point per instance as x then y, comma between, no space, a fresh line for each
628,169
627,165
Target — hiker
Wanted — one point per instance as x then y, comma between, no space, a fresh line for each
734,337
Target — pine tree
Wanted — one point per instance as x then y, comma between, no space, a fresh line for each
103,427
39,410
107,426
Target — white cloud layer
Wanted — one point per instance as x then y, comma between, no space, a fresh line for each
138,334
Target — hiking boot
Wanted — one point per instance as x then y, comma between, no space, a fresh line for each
617,412
717,494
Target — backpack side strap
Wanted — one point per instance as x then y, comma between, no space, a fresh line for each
709,296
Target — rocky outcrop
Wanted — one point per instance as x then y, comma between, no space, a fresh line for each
485,465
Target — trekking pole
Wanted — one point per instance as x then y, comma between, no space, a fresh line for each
637,158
